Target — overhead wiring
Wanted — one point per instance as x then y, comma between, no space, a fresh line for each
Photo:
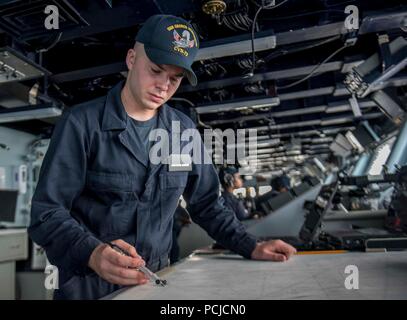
267,7
315,69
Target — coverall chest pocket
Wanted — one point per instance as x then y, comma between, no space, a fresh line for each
112,203
172,185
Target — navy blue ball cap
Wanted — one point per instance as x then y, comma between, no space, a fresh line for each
170,40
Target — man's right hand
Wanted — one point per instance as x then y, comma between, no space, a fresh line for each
116,268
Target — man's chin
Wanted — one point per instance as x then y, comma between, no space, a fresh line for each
152,105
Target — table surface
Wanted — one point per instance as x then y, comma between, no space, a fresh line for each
312,276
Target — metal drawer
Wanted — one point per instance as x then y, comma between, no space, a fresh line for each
13,245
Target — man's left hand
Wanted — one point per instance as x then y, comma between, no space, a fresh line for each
275,250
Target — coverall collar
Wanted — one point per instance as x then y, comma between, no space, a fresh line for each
115,116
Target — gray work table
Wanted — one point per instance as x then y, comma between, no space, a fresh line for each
318,276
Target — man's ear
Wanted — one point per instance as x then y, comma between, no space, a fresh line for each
130,58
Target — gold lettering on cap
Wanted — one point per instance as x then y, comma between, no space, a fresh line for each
182,51
177,26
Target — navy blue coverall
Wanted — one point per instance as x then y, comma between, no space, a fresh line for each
93,188
236,205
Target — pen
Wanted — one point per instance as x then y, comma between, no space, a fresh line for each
151,275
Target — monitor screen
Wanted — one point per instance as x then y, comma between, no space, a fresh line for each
8,204
301,188
317,212
364,137
271,202
280,200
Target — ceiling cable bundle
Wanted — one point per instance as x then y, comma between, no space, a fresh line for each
238,19
265,7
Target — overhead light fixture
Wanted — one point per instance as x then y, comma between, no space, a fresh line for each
355,106
16,67
341,146
354,142
268,143
29,113
319,164
364,78
367,79
362,137
389,104
234,47
238,105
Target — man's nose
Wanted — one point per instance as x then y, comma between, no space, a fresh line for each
163,83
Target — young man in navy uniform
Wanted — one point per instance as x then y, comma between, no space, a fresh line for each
98,185
230,180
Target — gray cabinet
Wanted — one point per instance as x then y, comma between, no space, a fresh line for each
13,247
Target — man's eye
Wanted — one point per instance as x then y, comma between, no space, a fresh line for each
174,80
155,71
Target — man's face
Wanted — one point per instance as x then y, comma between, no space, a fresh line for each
238,182
151,85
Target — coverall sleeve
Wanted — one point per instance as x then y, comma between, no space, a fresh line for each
241,211
62,177
207,210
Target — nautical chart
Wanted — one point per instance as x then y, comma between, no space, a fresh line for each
225,276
